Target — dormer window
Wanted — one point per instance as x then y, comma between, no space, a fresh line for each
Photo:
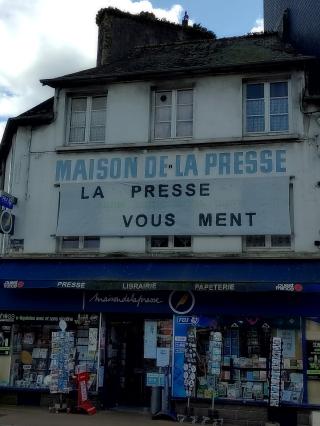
87,119
173,114
267,107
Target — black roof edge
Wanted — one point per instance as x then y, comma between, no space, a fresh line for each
61,82
40,114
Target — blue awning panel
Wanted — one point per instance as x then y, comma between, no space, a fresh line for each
126,274
41,300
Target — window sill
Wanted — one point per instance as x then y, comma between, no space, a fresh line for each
78,251
257,139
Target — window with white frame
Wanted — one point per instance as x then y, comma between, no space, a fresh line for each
266,242
169,242
173,114
266,107
87,119
79,243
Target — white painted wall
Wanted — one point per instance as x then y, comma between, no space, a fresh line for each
217,116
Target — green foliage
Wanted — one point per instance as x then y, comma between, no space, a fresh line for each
204,30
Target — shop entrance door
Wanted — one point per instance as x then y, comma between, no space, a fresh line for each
125,381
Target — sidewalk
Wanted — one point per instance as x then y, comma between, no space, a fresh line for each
38,416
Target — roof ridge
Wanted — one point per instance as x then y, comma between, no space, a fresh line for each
213,41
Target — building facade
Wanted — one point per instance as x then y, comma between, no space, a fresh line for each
172,189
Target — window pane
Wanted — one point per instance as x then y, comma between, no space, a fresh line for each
184,112
280,240
185,97
162,130
255,241
279,106
163,114
98,118
255,124
184,128
99,102
79,104
163,98
157,242
78,119
91,242
97,134
77,134
182,241
279,123
70,243
278,90
255,91
255,107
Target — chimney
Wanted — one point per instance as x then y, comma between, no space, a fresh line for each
120,32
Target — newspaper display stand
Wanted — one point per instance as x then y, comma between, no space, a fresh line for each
214,364
275,372
190,376
82,378
61,367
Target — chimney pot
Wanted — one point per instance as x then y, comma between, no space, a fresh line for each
185,19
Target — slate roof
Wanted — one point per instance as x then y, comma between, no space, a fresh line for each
40,114
38,111
198,56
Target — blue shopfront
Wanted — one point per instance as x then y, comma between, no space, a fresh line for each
131,319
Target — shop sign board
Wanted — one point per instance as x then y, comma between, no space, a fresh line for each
155,285
7,220
313,359
7,317
224,206
130,302
91,319
7,200
172,164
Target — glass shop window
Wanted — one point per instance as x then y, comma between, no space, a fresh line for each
313,359
32,349
241,370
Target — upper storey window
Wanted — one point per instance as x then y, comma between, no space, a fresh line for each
87,119
173,114
267,107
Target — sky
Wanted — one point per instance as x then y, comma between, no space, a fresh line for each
46,38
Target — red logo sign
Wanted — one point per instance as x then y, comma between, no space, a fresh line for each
298,287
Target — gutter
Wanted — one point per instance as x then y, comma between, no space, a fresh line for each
191,71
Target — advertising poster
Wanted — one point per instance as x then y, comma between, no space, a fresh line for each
288,338
5,337
313,357
182,324
150,339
